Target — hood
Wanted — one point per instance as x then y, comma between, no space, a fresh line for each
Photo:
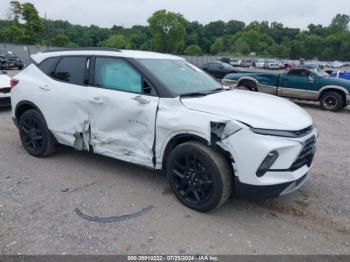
255,109
4,81
336,81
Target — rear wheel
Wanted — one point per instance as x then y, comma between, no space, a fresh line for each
200,177
35,135
248,85
332,101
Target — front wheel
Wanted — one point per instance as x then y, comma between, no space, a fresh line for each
35,135
332,101
200,177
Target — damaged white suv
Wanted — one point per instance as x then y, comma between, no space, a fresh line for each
162,112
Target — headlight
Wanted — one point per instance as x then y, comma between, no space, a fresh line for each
283,133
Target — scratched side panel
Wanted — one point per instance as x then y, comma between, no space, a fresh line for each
174,119
122,127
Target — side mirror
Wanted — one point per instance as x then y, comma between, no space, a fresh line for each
311,79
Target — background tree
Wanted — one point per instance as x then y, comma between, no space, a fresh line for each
171,33
193,50
116,41
168,31
33,24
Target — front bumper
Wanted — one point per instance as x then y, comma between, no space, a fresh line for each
250,191
249,150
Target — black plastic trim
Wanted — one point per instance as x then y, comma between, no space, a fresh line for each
84,49
251,191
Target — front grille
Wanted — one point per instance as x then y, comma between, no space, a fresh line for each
307,154
12,59
5,90
303,132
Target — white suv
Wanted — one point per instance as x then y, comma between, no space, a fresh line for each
162,112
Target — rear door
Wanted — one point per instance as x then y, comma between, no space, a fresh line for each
62,96
123,107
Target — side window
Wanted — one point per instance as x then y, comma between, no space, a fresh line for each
48,65
116,74
71,70
299,72
294,72
214,66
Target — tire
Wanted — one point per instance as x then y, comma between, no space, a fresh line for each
35,135
332,101
200,177
248,85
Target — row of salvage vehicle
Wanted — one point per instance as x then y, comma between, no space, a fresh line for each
331,89
161,112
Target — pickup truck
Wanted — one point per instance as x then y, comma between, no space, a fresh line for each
299,83
9,60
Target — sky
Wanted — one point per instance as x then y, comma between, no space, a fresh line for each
106,13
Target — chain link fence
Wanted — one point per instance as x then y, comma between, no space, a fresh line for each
24,51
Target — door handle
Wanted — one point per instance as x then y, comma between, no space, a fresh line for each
45,87
141,100
96,100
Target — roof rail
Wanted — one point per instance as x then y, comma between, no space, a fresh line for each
84,49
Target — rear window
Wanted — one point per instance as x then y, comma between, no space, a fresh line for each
71,70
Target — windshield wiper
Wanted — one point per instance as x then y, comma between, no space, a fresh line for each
194,94
217,90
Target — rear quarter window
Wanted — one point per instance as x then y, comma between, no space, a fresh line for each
71,70
48,65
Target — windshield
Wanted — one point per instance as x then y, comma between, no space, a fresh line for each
320,72
180,76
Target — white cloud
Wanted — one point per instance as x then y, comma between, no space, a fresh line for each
296,13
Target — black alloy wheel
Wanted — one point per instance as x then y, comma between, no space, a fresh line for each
200,177
332,101
35,136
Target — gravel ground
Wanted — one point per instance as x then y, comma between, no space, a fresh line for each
38,198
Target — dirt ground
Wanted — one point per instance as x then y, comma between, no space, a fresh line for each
39,198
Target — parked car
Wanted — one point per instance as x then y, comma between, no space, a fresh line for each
219,69
162,112
336,64
235,62
340,74
260,63
273,65
9,60
5,87
248,63
299,83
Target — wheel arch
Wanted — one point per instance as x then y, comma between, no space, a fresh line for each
339,89
23,106
249,79
183,138
177,140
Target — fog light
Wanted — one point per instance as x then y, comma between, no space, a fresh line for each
267,163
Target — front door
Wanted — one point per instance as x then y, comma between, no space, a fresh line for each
299,83
123,108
